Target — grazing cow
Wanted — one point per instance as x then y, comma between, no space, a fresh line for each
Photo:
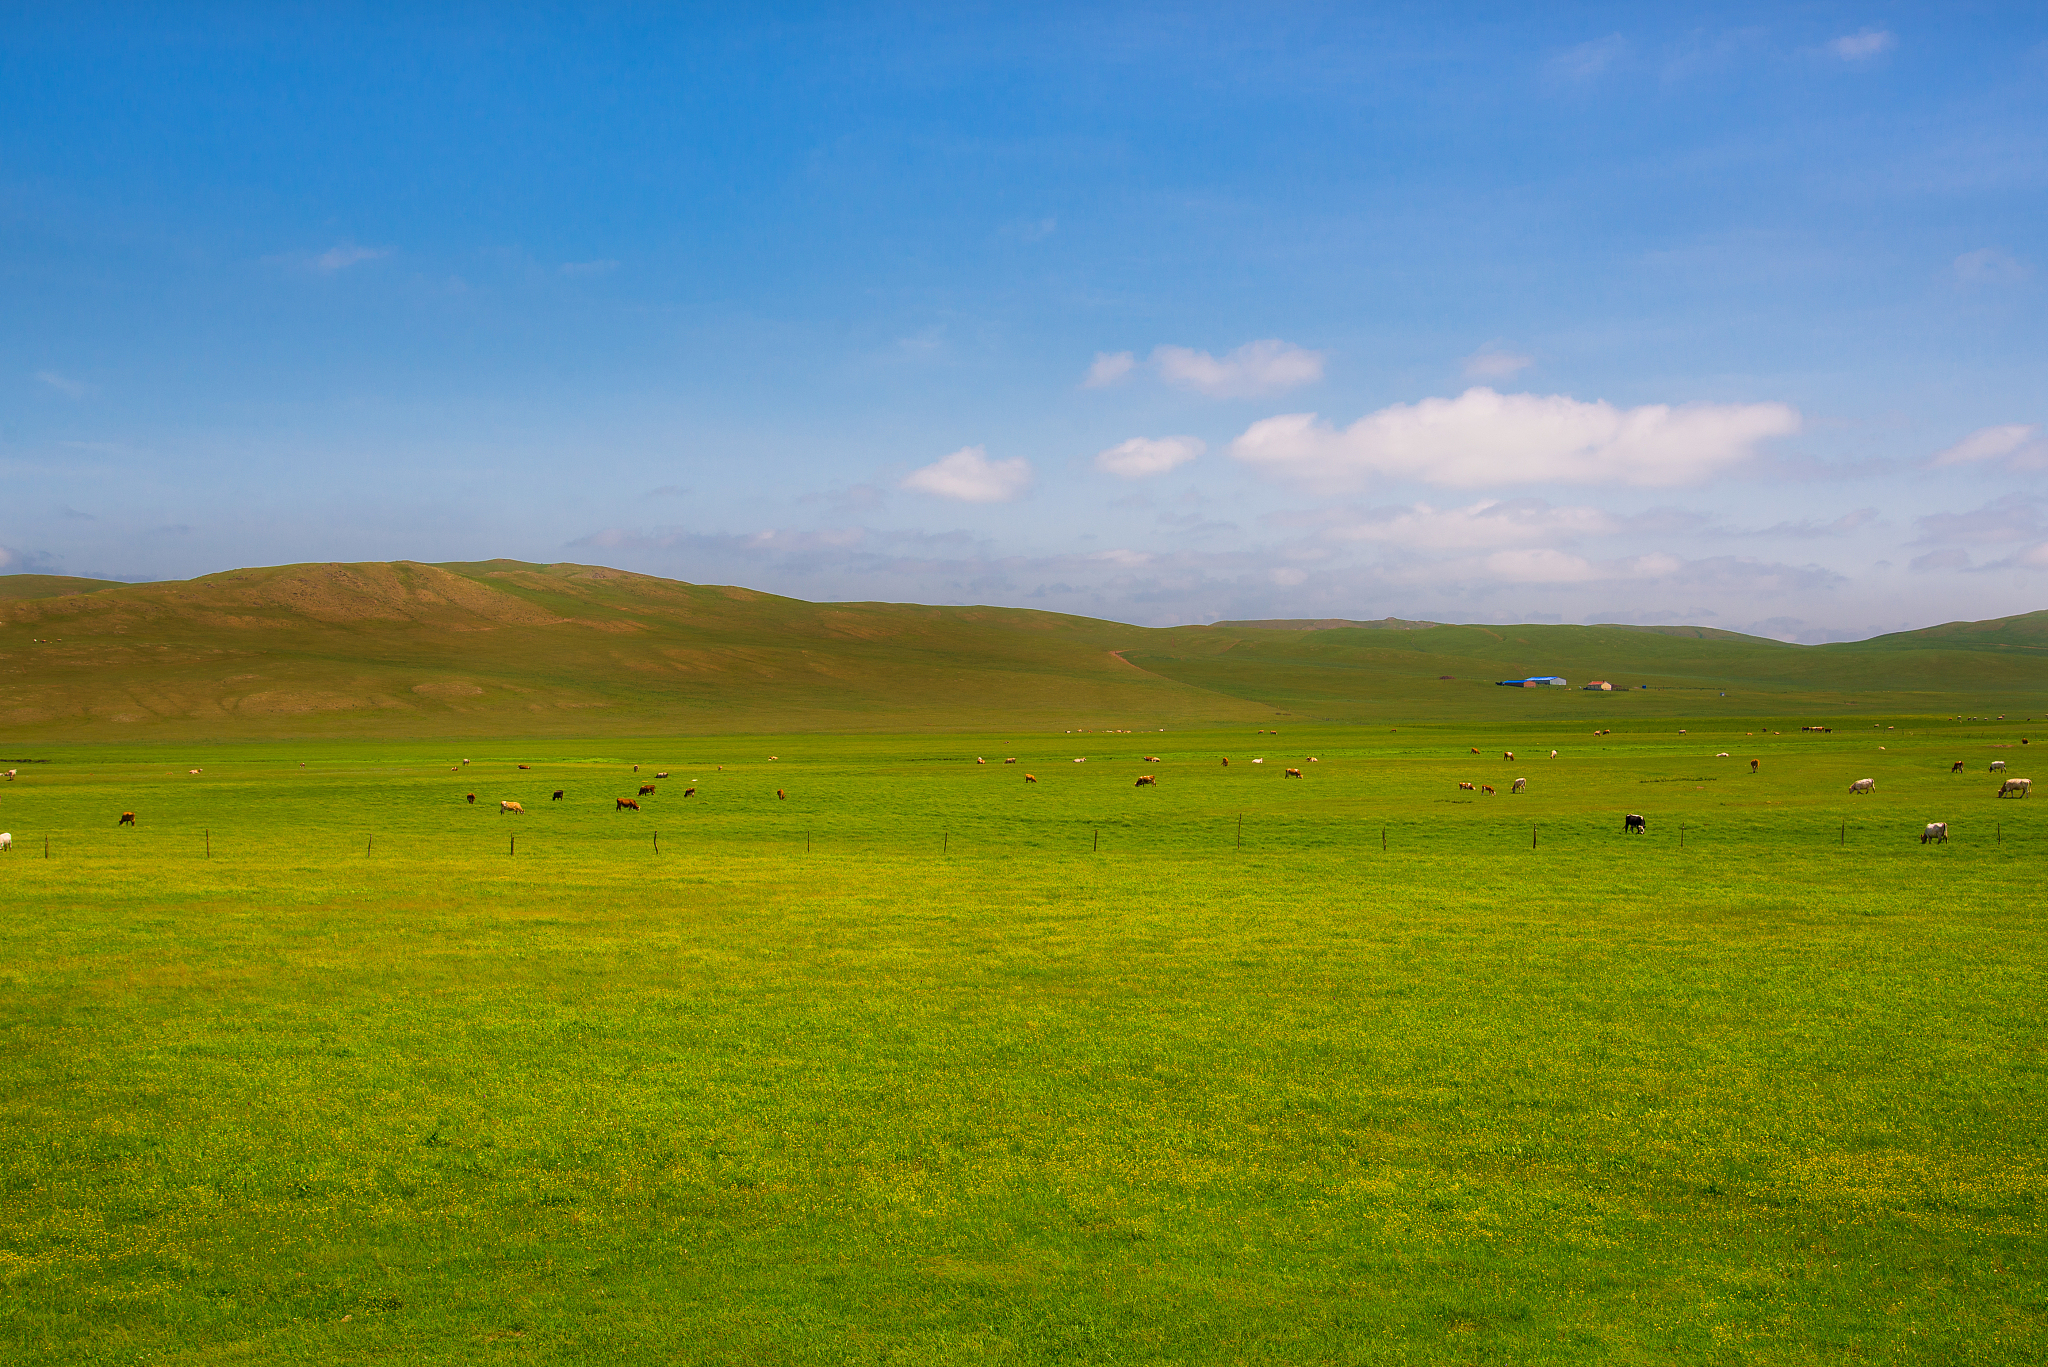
1082,760
979,760
1011,760
1520,784
1724,754
1147,781
1468,787
1863,785
127,819
1475,749
512,807
1633,825
689,792
1031,778
1486,788
10,775
1936,830
2022,786
1956,768
472,798
191,771
1752,765
557,797
1997,766
645,789
1293,773
661,773
625,804
782,795
526,766
6,840
1508,755
1226,763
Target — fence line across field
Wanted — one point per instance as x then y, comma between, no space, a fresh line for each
1244,833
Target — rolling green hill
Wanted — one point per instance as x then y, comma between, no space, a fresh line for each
505,647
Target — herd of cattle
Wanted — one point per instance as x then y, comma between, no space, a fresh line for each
1632,824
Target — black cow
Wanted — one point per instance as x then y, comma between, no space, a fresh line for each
1634,825
557,797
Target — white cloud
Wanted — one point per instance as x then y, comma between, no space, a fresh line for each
1269,366
1861,47
1540,565
587,268
2018,444
1143,456
1488,363
1990,266
1126,558
1109,367
63,384
1491,522
1588,60
342,257
1482,438
2036,558
970,476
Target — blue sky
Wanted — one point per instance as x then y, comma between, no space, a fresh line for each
1730,315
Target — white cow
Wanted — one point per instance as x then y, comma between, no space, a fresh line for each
6,840
1998,766
2022,786
1863,785
1936,830
1520,784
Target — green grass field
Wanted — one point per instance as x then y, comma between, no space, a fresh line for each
922,1064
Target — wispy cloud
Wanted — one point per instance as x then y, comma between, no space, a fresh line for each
1586,60
1110,367
1143,456
2016,445
1482,438
1491,522
1841,526
63,384
1492,363
2002,521
1990,266
348,254
1270,366
969,476
1861,47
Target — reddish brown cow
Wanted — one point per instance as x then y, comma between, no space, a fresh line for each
1956,768
1468,788
1147,781
526,766
472,799
1031,778
625,804
1486,788
1753,765
127,819
689,792
781,795
646,788
1293,773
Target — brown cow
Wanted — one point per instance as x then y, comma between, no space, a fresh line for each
1293,773
646,788
1226,763
1753,764
526,766
1011,760
625,804
1475,749
512,807
1152,759
1147,781
472,799
689,792
1486,788
1031,778
781,795
127,819
1956,768
1508,755
1468,788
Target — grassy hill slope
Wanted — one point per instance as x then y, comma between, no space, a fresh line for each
505,647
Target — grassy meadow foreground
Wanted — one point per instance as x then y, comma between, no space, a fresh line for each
924,1064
